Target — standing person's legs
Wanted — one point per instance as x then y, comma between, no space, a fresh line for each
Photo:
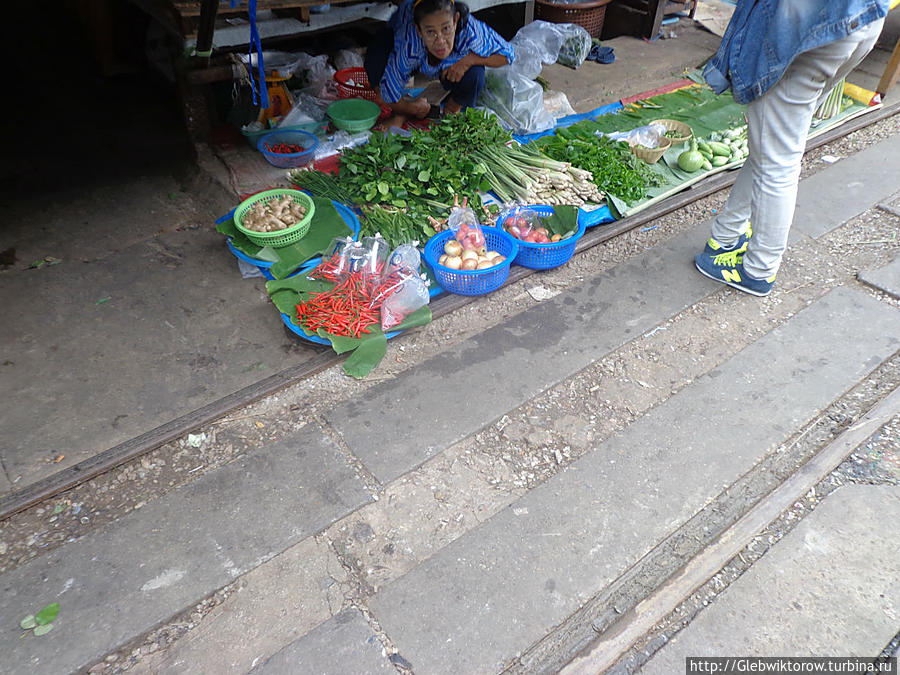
778,126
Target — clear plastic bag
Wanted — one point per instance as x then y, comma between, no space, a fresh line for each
376,257
466,228
406,295
312,71
335,264
566,43
339,141
512,93
524,223
649,136
517,100
306,109
557,104
404,257
346,58
519,221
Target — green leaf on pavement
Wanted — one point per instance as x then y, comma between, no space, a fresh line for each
44,629
28,622
47,614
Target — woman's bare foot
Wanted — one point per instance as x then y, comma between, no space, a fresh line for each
392,121
451,107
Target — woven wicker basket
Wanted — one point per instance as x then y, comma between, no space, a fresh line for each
588,15
683,130
652,155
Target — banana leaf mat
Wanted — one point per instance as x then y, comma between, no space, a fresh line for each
330,220
367,351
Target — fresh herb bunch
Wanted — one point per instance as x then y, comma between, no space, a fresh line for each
614,168
320,184
399,181
396,226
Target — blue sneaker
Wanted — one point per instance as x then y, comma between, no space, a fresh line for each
715,248
728,268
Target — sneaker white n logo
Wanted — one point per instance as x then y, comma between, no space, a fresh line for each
731,275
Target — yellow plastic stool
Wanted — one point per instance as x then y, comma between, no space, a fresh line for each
280,99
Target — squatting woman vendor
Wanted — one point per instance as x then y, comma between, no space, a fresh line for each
441,40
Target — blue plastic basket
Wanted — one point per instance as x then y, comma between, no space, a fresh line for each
545,256
345,212
288,160
472,282
294,328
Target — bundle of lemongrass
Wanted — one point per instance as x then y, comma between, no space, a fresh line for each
522,174
831,106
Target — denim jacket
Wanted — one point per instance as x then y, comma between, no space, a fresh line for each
764,36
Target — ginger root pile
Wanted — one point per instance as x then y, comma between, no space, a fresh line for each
273,215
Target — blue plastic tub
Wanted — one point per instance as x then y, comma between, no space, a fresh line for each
472,282
545,256
288,160
294,328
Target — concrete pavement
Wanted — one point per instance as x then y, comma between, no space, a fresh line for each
282,525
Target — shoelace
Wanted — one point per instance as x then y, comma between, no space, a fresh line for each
728,259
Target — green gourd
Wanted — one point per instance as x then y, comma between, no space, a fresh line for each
691,159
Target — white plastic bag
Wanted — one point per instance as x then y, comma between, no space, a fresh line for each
347,59
313,71
557,104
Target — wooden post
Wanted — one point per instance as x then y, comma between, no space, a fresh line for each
890,73
528,12
205,30
656,10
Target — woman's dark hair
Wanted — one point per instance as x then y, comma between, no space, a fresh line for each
422,8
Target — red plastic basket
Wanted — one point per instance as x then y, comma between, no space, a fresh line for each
360,87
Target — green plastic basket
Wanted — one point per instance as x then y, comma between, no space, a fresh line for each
286,237
353,114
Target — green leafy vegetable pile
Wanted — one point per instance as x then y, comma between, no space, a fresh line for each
400,181
614,168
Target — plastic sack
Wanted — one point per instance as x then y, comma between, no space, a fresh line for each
312,71
557,104
346,58
566,43
649,136
516,99
512,93
339,141
407,295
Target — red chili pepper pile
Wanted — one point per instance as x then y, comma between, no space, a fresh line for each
330,269
284,148
347,309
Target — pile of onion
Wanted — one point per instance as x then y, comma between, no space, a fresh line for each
457,257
